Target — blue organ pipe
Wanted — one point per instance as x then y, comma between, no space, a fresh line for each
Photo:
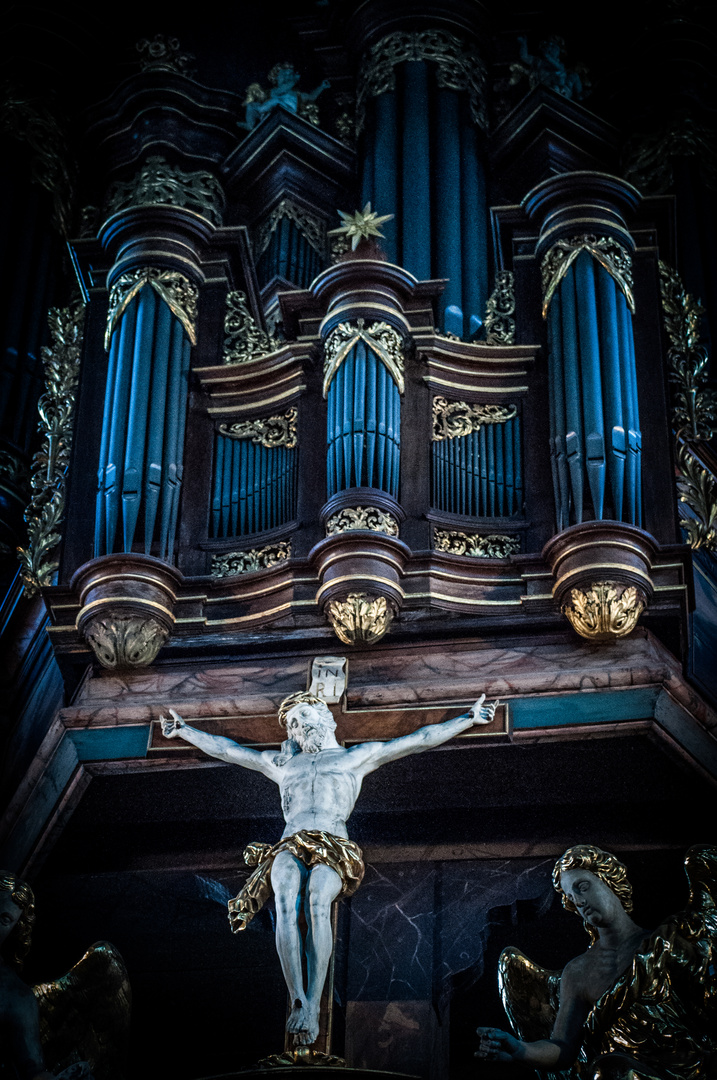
381,426
235,493
220,445
634,437
368,193
387,479
118,425
371,419
518,459
183,398
243,491
348,405
359,416
490,442
264,488
385,181
176,404
462,449
474,231
155,425
591,383
574,440
561,477
483,452
447,203
499,431
416,178
330,439
227,490
101,546
612,389
137,419
509,467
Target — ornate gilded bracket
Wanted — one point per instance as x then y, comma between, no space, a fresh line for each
158,182
271,431
381,339
177,292
234,563
362,517
454,419
244,340
611,255
459,68
606,612
360,619
491,546
49,465
311,227
500,308
125,641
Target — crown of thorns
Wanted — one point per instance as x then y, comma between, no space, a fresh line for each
297,699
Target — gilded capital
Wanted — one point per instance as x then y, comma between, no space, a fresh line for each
385,342
177,291
605,612
125,641
612,256
360,619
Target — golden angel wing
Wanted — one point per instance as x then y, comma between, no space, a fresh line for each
529,994
84,1016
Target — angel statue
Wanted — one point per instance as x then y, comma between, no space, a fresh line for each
71,1029
283,79
637,1005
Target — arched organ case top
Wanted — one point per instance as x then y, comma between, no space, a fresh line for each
145,409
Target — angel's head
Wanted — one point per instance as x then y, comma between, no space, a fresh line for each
17,915
284,76
594,863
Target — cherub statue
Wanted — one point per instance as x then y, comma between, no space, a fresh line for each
54,1026
283,78
636,1005
314,862
548,68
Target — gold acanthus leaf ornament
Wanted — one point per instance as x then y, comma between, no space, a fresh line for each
697,490
382,340
177,291
271,431
475,545
606,612
51,462
694,406
311,227
611,255
360,619
125,641
362,517
244,340
454,419
500,309
234,563
158,183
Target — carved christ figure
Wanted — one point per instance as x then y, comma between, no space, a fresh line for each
314,862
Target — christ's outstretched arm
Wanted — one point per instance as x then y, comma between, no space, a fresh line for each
218,746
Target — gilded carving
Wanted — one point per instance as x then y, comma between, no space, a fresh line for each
177,291
611,255
125,641
650,159
381,338
311,227
361,225
459,67
695,406
491,546
500,309
164,54
606,612
362,517
360,618
271,431
697,490
244,340
454,419
234,563
158,182
56,407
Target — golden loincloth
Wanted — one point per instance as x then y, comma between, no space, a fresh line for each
312,847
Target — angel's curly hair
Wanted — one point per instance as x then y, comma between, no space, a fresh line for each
297,699
284,65
18,943
600,863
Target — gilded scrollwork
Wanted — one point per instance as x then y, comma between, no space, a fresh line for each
125,641
244,340
612,256
381,338
164,54
158,182
49,465
697,490
475,545
311,227
362,517
177,291
606,612
500,309
694,411
234,563
269,431
360,618
459,67
454,419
